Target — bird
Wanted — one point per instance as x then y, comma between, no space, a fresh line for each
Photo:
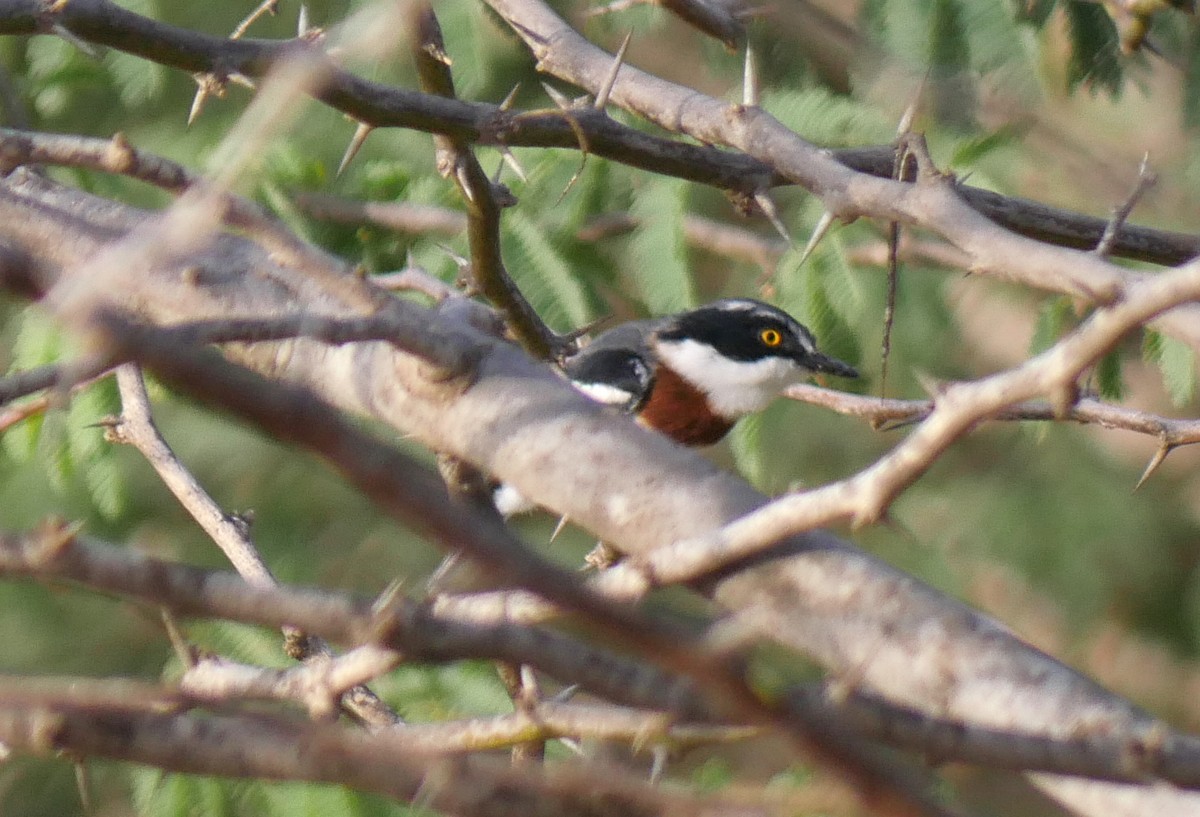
694,374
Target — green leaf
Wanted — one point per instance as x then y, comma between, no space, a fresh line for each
1109,381
53,451
548,280
949,48
792,778
746,443
138,80
657,255
88,450
1035,12
1178,365
970,151
20,441
713,775
240,642
1095,49
313,800
1191,79
825,118
38,340
843,283
382,179
181,795
808,292
1056,316
106,486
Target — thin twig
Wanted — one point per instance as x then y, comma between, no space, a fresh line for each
1145,180
136,427
483,201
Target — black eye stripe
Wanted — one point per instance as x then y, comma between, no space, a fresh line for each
737,335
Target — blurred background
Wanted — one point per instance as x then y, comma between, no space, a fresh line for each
1036,523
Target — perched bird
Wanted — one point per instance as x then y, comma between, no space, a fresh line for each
693,375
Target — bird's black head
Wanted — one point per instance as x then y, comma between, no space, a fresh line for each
746,331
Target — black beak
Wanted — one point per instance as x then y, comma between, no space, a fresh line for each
830,365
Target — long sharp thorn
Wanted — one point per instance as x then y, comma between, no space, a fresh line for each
910,113
356,142
573,745
65,33
818,233
1158,459
659,765
750,88
529,682
514,165
197,104
459,260
433,585
464,181
562,523
559,98
611,80
512,96
565,694
772,213
619,5
302,21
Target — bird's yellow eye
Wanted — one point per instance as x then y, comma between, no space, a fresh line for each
770,337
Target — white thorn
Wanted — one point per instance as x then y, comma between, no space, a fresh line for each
529,681
512,96
464,181
772,213
818,233
356,142
462,263
1158,459
750,89
197,104
302,21
565,694
611,80
243,80
388,597
433,585
562,523
910,113
514,165
65,33
659,765
559,98
617,5
573,745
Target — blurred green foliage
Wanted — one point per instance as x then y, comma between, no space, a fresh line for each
1051,506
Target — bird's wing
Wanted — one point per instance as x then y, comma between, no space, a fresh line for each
617,367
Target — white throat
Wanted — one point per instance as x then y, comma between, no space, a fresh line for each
734,387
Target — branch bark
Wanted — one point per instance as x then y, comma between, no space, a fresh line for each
813,593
